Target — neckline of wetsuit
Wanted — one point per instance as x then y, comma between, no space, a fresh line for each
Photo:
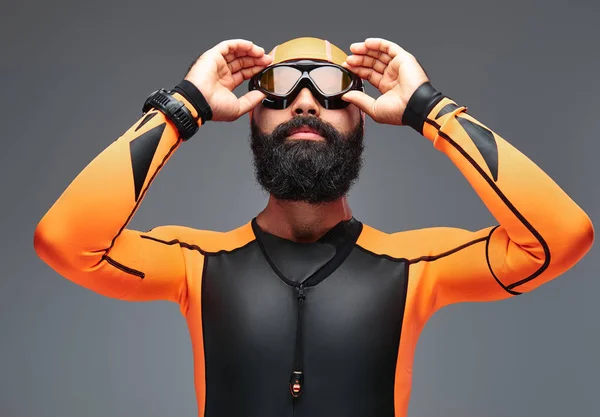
303,265
308,263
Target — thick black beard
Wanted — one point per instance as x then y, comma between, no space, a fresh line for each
303,170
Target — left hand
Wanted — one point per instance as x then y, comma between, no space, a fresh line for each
390,69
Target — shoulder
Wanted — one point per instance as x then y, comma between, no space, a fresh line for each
415,243
204,241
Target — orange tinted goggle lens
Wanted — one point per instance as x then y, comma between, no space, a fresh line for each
281,80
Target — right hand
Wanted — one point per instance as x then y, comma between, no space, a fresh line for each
218,71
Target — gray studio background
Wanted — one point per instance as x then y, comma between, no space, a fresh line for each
74,76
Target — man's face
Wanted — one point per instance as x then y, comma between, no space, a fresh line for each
317,164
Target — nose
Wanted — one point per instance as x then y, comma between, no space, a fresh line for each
305,104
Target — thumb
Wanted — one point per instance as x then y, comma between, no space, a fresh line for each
361,100
249,101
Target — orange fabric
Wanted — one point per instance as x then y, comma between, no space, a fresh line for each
541,234
450,265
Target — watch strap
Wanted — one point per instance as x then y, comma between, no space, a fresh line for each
175,110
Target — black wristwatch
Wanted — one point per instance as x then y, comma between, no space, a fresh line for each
175,110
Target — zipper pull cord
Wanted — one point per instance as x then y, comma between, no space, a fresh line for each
297,377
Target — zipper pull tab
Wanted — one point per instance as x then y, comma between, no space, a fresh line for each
296,383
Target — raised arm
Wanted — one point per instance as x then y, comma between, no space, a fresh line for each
542,232
84,235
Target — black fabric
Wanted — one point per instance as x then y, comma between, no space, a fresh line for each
486,143
146,119
297,262
450,107
351,325
142,150
420,105
249,330
196,98
351,332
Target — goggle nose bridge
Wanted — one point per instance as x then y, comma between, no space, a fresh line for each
304,80
300,84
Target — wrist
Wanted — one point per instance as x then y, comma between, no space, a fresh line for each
188,104
420,104
195,99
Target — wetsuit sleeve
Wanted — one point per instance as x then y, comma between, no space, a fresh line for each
542,232
84,235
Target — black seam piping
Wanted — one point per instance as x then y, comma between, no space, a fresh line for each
487,258
381,255
141,197
447,253
512,208
320,274
272,264
430,258
195,247
343,253
123,267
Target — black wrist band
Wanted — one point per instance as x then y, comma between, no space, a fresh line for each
175,110
195,97
420,105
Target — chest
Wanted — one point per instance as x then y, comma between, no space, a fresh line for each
343,333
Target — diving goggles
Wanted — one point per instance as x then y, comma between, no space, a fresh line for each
327,82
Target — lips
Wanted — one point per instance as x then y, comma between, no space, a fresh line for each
304,129
305,133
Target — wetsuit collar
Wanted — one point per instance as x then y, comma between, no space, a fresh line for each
297,262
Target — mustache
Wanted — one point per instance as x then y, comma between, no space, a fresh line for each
312,122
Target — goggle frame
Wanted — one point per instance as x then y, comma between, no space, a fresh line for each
328,101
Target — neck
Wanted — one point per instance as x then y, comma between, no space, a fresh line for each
302,222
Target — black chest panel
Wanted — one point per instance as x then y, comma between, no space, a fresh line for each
351,321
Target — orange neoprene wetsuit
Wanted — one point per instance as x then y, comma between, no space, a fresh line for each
321,329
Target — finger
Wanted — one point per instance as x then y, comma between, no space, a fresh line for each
239,63
231,45
248,61
360,48
378,45
361,100
366,73
256,51
234,48
249,101
366,61
383,45
245,74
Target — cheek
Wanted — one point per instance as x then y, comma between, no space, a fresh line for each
267,119
344,121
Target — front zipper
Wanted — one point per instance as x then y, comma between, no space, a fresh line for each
297,376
